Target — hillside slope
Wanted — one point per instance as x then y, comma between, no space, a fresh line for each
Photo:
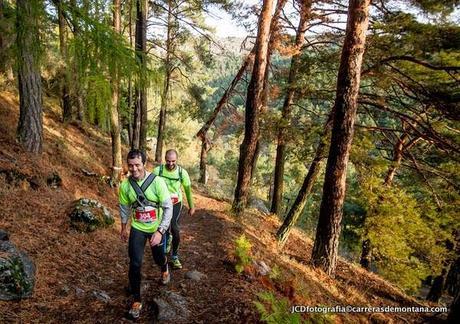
73,270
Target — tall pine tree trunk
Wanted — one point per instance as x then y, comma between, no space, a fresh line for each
286,112
166,86
325,249
297,208
140,105
205,147
253,107
30,126
66,102
77,91
114,119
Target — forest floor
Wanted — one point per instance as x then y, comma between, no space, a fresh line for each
83,277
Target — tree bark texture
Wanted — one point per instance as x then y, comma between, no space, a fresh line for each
66,102
274,35
166,86
325,249
140,104
114,116
30,126
286,111
77,92
313,171
205,147
253,107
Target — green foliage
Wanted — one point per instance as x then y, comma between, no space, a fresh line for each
404,245
242,253
98,97
275,272
275,311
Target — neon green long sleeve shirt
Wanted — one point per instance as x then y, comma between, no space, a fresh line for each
174,183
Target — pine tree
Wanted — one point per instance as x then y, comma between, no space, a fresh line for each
30,127
325,248
253,106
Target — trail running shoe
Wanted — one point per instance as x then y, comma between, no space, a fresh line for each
175,262
165,277
135,310
169,243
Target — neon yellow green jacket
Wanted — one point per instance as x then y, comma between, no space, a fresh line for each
157,192
174,183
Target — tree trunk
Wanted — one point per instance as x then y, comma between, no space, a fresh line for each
255,159
162,117
130,80
365,260
326,244
274,34
30,126
77,91
437,287
223,100
397,158
202,133
166,86
205,147
454,314
286,112
297,208
253,107
140,105
453,277
66,102
114,119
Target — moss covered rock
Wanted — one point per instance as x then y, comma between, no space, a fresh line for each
17,273
87,215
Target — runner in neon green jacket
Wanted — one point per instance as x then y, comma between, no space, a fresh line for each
176,177
144,198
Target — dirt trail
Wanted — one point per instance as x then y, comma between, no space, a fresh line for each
222,297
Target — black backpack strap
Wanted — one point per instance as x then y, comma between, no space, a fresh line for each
147,182
161,170
141,200
137,189
180,174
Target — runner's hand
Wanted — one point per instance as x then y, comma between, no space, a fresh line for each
124,235
156,238
191,211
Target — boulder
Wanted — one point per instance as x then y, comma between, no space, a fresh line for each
87,215
259,204
172,307
17,273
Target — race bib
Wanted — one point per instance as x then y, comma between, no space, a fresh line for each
174,198
146,214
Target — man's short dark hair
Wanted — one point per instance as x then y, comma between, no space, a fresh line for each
135,153
171,151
